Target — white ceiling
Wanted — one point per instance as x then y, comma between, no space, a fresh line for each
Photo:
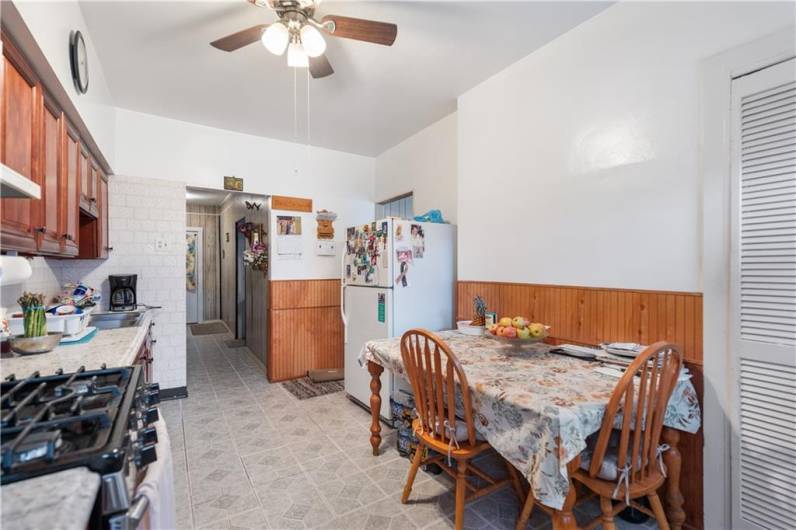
157,59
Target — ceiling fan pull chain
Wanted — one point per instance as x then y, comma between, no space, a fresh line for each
307,150
295,123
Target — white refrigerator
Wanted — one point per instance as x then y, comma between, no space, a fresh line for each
397,275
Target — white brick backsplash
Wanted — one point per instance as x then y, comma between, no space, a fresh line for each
140,212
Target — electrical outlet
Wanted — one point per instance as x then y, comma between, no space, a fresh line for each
161,245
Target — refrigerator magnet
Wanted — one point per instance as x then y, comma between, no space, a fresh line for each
381,307
402,280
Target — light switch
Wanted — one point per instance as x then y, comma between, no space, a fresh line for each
325,248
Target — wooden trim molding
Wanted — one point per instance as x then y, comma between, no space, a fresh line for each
591,315
294,204
305,328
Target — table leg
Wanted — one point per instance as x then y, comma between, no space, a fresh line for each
674,497
564,519
375,371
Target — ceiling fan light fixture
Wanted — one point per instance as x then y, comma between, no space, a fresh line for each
276,38
313,42
296,56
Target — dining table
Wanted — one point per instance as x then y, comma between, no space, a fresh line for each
536,408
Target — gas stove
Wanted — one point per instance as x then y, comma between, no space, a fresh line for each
100,419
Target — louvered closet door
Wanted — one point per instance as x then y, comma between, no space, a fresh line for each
763,313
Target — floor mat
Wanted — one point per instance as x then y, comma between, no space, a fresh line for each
304,388
208,328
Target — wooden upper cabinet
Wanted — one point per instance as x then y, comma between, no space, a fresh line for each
102,215
19,144
84,165
48,215
93,185
40,142
71,176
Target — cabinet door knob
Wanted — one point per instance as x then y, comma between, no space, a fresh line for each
68,237
40,230
108,248
93,199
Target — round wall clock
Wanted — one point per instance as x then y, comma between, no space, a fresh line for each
78,58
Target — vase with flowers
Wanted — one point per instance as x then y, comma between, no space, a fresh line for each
256,256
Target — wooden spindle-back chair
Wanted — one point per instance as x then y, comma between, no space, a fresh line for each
641,397
436,376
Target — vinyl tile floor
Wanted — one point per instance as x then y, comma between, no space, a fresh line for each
247,454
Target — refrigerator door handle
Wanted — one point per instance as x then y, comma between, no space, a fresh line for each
342,301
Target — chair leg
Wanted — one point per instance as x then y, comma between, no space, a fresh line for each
527,509
410,480
461,488
657,509
607,508
515,480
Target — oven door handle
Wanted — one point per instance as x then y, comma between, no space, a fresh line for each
137,511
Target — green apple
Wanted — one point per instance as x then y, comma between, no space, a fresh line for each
536,329
523,333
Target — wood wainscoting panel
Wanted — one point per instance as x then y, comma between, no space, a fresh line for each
589,316
305,328
294,294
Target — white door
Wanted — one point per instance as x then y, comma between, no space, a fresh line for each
369,315
193,275
763,293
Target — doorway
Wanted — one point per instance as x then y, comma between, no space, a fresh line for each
240,280
232,293
194,267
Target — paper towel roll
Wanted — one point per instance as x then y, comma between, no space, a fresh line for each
14,270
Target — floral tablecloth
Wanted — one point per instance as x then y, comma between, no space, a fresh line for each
525,402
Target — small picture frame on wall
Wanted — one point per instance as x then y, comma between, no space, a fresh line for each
233,183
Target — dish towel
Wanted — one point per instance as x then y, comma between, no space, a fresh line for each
158,485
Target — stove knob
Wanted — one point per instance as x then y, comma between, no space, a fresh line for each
149,435
151,416
152,394
145,455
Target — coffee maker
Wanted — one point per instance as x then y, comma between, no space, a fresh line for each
123,292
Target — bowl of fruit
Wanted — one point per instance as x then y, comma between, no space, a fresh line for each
517,331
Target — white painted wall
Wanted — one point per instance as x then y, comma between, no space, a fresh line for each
153,146
50,23
200,156
425,164
579,164
311,265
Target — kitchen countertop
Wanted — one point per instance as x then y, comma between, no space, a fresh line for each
60,501
114,347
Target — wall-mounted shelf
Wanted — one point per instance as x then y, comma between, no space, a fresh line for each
15,186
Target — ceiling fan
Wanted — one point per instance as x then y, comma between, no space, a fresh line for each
298,32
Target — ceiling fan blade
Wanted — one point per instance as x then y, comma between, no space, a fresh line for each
320,67
230,43
361,29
